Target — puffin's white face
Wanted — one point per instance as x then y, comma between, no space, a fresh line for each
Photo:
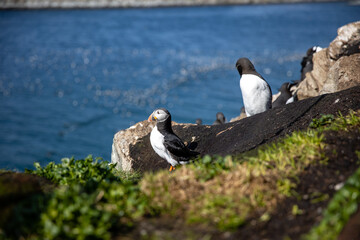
159,115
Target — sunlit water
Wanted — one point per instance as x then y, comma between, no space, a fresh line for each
69,80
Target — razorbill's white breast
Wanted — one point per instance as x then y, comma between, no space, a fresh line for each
285,96
255,90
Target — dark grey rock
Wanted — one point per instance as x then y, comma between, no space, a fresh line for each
248,133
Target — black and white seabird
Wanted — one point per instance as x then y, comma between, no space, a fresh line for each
255,90
220,119
307,61
165,142
285,96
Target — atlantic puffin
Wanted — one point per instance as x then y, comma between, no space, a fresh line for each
220,119
165,142
256,92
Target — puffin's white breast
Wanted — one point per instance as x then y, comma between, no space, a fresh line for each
157,143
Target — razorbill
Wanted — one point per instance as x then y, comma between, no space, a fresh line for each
220,118
255,90
307,61
285,96
198,121
165,142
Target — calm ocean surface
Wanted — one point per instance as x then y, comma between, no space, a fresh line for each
69,80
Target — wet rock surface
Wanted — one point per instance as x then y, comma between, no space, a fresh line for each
248,133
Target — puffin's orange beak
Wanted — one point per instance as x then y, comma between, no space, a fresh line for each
150,118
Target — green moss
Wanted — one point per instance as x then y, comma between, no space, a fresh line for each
208,167
221,207
226,191
340,122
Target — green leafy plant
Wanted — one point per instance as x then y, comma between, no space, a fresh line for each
71,171
340,122
339,210
322,121
76,212
91,199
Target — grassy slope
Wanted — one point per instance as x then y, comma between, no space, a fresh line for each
94,200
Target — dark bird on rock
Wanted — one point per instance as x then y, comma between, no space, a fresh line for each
307,61
165,142
198,121
256,92
220,119
285,96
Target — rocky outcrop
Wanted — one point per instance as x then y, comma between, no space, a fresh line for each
234,137
314,80
335,68
347,41
125,155
345,73
123,139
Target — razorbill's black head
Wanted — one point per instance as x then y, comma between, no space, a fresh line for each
244,66
255,90
165,142
220,118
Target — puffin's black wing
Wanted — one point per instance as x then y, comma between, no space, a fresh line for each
177,148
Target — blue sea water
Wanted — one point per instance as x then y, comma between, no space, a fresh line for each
70,79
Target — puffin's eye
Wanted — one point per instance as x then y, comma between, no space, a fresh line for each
158,112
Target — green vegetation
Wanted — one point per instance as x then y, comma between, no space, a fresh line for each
70,171
90,199
322,121
227,191
339,210
329,122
